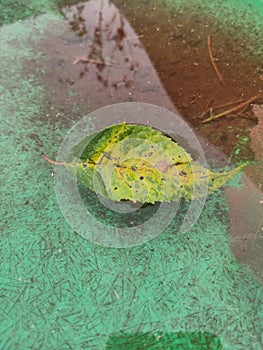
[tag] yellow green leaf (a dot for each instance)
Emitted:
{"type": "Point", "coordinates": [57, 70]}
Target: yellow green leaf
{"type": "Point", "coordinates": [141, 164]}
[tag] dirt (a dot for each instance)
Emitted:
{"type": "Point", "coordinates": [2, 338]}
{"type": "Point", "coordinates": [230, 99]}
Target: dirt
{"type": "Point", "coordinates": [177, 44]}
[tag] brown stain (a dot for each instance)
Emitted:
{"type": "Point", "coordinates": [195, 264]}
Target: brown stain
{"type": "Point", "coordinates": [163, 166]}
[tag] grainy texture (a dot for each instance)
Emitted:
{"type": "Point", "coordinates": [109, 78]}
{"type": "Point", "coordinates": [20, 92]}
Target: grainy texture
{"type": "Point", "coordinates": [58, 291]}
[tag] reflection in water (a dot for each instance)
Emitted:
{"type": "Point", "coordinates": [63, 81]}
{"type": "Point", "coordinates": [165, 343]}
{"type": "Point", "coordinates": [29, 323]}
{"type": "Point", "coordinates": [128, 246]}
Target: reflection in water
{"type": "Point", "coordinates": [108, 42]}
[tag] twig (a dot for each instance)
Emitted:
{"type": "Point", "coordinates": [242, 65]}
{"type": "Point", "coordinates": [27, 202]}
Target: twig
{"type": "Point", "coordinates": [233, 109]}
{"type": "Point", "coordinates": [243, 115]}
{"type": "Point", "coordinates": [210, 109]}
{"type": "Point", "coordinates": [206, 106]}
{"type": "Point", "coordinates": [222, 105]}
{"type": "Point", "coordinates": [244, 104]}
{"type": "Point", "coordinates": [92, 60]}
{"type": "Point", "coordinates": [213, 60]}
{"type": "Point", "coordinates": [134, 37]}
{"type": "Point", "coordinates": [206, 109]}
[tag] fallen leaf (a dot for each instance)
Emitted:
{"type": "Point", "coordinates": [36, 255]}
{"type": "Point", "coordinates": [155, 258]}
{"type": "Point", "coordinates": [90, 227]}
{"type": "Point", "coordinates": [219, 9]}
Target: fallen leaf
{"type": "Point", "coordinates": [139, 163]}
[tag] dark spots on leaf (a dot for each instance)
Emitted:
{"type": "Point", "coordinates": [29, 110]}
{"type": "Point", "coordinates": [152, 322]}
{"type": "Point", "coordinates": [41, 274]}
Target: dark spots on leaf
{"type": "Point", "coordinates": [212, 179]}
{"type": "Point", "coordinates": [115, 136]}
{"type": "Point", "coordinates": [182, 173]}
{"type": "Point", "coordinates": [115, 188]}
{"type": "Point", "coordinates": [130, 186]}
{"type": "Point", "coordinates": [141, 178]}
{"type": "Point", "coordinates": [133, 168]}
{"type": "Point", "coordinates": [150, 154]}
{"type": "Point", "coordinates": [84, 165]}
{"type": "Point", "coordinates": [163, 179]}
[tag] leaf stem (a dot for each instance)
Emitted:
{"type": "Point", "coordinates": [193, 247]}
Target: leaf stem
{"type": "Point", "coordinates": [50, 160]}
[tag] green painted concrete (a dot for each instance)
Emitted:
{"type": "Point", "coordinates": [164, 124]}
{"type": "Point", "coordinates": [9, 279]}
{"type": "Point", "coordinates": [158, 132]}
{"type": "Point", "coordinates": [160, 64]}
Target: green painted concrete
{"type": "Point", "coordinates": [59, 291]}
{"type": "Point", "coordinates": [12, 11]}
{"type": "Point", "coordinates": [168, 341]}
{"type": "Point", "coordinates": [241, 18]}
{"type": "Point", "coordinates": [15, 10]}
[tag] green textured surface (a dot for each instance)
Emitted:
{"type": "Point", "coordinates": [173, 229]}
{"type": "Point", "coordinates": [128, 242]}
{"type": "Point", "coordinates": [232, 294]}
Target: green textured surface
{"type": "Point", "coordinates": [241, 18]}
{"type": "Point", "coordinates": [12, 11]}
{"type": "Point", "coordinates": [15, 10]}
{"type": "Point", "coordinates": [159, 340]}
{"type": "Point", "coordinates": [58, 291]}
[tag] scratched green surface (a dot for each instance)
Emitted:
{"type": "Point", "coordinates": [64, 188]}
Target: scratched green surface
{"type": "Point", "coordinates": [241, 18]}
{"type": "Point", "coordinates": [57, 290]}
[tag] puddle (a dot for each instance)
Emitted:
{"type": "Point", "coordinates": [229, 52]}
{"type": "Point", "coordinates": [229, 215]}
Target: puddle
{"type": "Point", "coordinates": [110, 64]}
{"type": "Point", "coordinates": [178, 49]}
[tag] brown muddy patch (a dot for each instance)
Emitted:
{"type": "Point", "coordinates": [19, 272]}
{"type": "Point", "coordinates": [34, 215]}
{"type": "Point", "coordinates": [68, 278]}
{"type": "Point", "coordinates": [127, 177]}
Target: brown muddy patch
{"type": "Point", "coordinates": [99, 59]}
{"type": "Point", "coordinates": [176, 42]}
